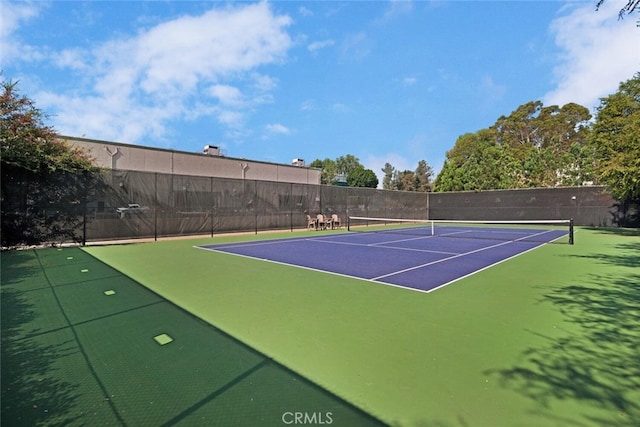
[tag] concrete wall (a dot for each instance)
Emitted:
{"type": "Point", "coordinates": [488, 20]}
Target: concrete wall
{"type": "Point", "coordinates": [117, 156]}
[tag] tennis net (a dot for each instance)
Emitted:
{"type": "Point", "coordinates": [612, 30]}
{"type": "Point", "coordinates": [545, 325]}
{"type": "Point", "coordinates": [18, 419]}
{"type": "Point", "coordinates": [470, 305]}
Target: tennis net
{"type": "Point", "coordinates": [544, 231]}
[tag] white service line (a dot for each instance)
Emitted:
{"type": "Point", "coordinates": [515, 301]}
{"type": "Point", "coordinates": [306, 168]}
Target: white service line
{"type": "Point", "coordinates": [488, 266]}
{"type": "Point", "coordinates": [455, 256]}
{"type": "Point", "coordinates": [382, 245]}
{"type": "Point", "coordinates": [376, 279]}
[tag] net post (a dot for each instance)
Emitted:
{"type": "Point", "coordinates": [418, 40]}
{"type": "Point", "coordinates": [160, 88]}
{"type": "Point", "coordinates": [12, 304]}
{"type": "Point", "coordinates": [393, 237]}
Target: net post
{"type": "Point", "coordinates": [571, 231]}
{"type": "Point", "coordinates": [348, 222]}
{"type": "Point", "coordinates": [433, 228]}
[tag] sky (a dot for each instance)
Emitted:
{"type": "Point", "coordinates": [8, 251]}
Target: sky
{"type": "Point", "coordinates": [386, 81]}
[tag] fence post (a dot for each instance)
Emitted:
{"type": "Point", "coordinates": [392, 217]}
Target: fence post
{"type": "Point", "coordinates": [84, 222]}
{"type": "Point", "coordinates": [155, 207]}
{"type": "Point", "coordinates": [211, 207]}
{"type": "Point", "coordinates": [255, 203]}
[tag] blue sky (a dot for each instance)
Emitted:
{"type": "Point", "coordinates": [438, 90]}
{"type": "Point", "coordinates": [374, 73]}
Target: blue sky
{"type": "Point", "coordinates": [386, 81]}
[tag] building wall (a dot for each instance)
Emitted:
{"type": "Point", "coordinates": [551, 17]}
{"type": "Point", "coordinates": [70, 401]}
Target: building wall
{"type": "Point", "coordinates": [118, 156]}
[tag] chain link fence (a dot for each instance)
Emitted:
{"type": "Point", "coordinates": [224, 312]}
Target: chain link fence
{"type": "Point", "coordinates": [587, 205]}
{"type": "Point", "coordinates": [143, 205]}
{"type": "Point", "coordinates": [133, 205]}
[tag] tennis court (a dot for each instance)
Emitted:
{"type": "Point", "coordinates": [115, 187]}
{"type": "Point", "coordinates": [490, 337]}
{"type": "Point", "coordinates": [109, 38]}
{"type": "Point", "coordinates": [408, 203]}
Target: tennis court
{"type": "Point", "coordinates": [407, 254]}
{"type": "Point", "coordinates": [165, 333]}
{"type": "Point", "coordinates": [82, 344]}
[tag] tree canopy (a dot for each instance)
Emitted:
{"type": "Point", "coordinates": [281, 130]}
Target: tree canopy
{"type": "Point", "coordinates": [44, 180]}
{"type": "Point", "coordinates": [389, 172]}
{"type": "Point", "coordinates": [329, 170]}
{"type": "Point", "coordinates": [534, 146]}
{"type": "Point", "coordinates": [538, 146]}
{"type": "Point", "coordinates": [347, 170]}
{"type": "Point", "coordinates": [419, 179]}
{"type": "Point", "coordinates": [361, 177]}
{"type": "Point", "coordinates": [616, 140]}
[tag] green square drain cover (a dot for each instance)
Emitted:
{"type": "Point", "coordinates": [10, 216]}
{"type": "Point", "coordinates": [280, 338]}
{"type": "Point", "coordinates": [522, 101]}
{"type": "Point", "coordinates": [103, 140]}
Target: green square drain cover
{"type": "Point", "coordinates": [163, 339]}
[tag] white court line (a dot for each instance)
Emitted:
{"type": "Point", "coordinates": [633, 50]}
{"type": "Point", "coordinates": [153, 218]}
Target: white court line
{"type": "Point", "coordinates": [380, 245]}
{"type": "Point", "coordinates": [489, 266]}
{"type": "Point", "coordinates": [306, 268]}
{"type": "Point", "coordinates": [402, 240]}
{"type": "Point", "coordinates": [375, 280]}
{"type": "Point", "coordinates": [325, 239]}
{"type": "Point", "coordinates": [455, 256]}
{"type": "Point", "coordinates": [455, 233]}
{"type": "Point", "coordinates": [249, 244]}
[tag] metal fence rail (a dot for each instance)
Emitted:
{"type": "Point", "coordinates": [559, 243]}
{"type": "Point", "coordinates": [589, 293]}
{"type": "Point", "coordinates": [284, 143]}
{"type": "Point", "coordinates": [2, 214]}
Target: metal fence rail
{"type": "Point", "coordinates": [132, 204]}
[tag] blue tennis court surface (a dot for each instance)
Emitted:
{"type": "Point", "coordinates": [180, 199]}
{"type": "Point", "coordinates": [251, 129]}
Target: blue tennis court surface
{"type": "Point", "coordinates": [413, 261]}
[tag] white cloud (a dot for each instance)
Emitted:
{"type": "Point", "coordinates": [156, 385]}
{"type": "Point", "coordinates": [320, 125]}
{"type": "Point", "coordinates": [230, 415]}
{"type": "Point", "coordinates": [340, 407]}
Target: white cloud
{"type": "Point", "coordinates": [307, 105]}
{"type": "Point", "coordinates": [228, 95]}
{"type": "Point", "coordinates": [339, 107]}
{"type": "Point", "coordinates": [356, 46]}
{"type": "Point", "coordinates": [177, 54]}
{"type": "Point", "coordinates": [73, 59]}
{"type": "Point", "coordinates": [305, 11]}
{"type": "Point", "coordinates": [316, 46]}
{"type": "Point", "coordinates": [13, 15]}
{"type": "Point", "coordinates": [232, 119]}
{"type": "Point", "coordinates": [110, 116]}
{"type": "Point", "coordinates": [490, 90]}
{"type": "Point", "coordinates": [598, 52]}
{"type": "Point", "coordinates": [180, 69]}
{"type": "Point", "coordinates": [397, 8]}
{"type": "Point", "coordinates": [264, 83]}
{"type": "Point", "coordinates": [277, 128]}
{"type": "Point", "coordinates": [410, 81]}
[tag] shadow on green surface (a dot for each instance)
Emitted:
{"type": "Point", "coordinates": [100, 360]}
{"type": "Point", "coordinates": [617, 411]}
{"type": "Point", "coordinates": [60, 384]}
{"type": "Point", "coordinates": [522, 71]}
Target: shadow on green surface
{"type": "Point", "coordinates": [72, 356]}
{"type": "Point", "coordinates": [618, 231]}
{"type": "Point", "coordinates": [628, 255]}
{"type": "Point", "coordinates": [596, 362]}
{"type": "Point", "coordinates": [29, 390]}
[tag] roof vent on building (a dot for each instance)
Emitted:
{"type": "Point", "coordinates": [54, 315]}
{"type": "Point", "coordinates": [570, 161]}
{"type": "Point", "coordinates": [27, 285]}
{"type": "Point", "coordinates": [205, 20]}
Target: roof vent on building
{"type": "Point", "coordinates": [298, 162]}
{"type": "Point", "coordinates": [211, 150]}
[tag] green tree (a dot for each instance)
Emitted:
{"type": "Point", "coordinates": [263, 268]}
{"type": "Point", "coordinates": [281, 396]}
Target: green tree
{"type": "Point", "coordinates": [616, 140]}
{"type": "Point", "coordinates": [361, 177]}
{"type": "Point", "coordinates": [329, 170]}
{"type": "Point", "coordinates": [339, 168]}
{"type": "Point", "coordinates": [405, 180]}
{"type": "Point", "coordinates": [540, 140]}
{"type": "Point", "coordinates": [346, 164]}
{"type": "Point", "coordinates": [563, 155]}
{"type": "Point", "coordinates": [535, 146]}
{"type": "Point", "coordinates": [477, 162]}
{"type": "Point", "coordinates": [408, 180]}
{"type": "Point", "coordinates": [389, 172]}
{"type": "Point", "coordinates": [519, 130]}
{"type": "Point", "coordinates": [422, 176]}
{"type": "Point", "coordinates": [580, 165]}
{"type": "Point", "coordinates": [448, 178]}
{"type": "Point", "coordinates": [538, 168]}
{"type": "Point", "coordinates": [45, 182]}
